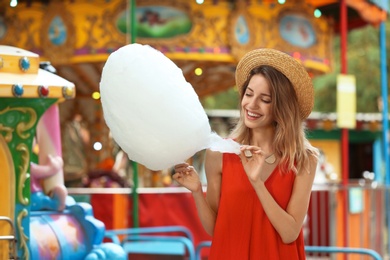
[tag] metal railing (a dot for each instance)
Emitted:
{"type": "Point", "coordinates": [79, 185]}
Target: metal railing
{"type": "Point", "coordinates": [352, 216]}
{"type": "Point", "coordinates": [10, 238]}
{"type": "Point", "coordinates": [308, 249]}
{"type": "Point", "coordinates": [344, 250]}
{"type": "Point", "coordinates": [162, 240]}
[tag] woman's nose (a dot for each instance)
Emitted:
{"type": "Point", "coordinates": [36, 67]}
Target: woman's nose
{"type": "Point", "coordinates": [253, 103]}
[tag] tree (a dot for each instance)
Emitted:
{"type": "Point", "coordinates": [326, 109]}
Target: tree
{"type": "Point", "coordinates": [223, 100]}
{"type": "Point", "coordinates": [363, 57]}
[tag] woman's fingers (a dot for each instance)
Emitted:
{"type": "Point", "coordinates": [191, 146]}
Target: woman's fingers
{"type": "Point", "coordinates": [245, 156]}
{"type": "Point", "coordinates": [188, 180]}
{"type": "Point", "coordinates": [181, 165]}
{"type": "Point", "coordinates": [249, 147]}
{"type": "Point", "coordinates": [254, 149]}
{"type": "Point", "coordinates": [248, 151]}
{"type": "Point", "coordinates": [182, 169]}
{"type": "Point", "coordinates": [176, 176]}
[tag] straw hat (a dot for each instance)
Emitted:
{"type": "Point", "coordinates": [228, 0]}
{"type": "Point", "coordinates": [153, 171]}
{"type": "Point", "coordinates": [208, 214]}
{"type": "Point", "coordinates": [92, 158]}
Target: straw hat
{"type": "Point", "coordinates": [287, 65]}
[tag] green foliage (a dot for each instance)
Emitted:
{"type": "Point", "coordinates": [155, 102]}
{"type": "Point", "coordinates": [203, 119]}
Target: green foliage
{"type": "Point", "coordinates": [363, 59]}
{"type": "Point", "coordinates": [325, 93]}
{"type": "Point", "coordinates": [223, 100]}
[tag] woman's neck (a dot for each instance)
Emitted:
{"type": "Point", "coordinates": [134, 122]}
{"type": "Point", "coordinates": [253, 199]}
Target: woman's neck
{"type": "Point", "coordinates": [263, 138]}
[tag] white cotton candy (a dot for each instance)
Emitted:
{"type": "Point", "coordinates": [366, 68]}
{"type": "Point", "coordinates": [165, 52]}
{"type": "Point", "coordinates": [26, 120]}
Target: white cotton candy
{"type": "Point", "coordinates": [153, 113]}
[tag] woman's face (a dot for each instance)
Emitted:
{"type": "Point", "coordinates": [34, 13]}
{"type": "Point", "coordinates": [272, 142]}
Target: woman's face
{"type": "Point", "coordinates": [257, 103]}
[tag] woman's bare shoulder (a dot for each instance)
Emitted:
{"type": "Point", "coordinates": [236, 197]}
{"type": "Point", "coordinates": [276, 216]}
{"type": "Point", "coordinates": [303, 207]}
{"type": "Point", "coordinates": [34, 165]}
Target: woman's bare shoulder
{"type": "Point", "coordinates": [313, 160]}
{"type": "Point", "coordinates": [213, 162]}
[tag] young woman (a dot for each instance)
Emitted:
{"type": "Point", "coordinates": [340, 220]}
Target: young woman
{"type": "Point", "coordinates": [256, 201]}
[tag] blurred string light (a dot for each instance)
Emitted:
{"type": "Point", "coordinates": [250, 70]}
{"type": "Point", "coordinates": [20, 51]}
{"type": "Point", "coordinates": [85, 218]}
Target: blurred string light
{"type": "Point", "coordinates": [317, 13]}
{"type": "Point", "coordinates": [198, 71]}
{"type": "Point", "coordinates": [97, 146]}
{"type": "Point", "coordinates": [95, 95]}
{"type": "Point", "coordinates": [199, 2]}
{"type": "Point", "coordinates": [281, 1]}
{"type": "Point", "coordinates": [13, 3]}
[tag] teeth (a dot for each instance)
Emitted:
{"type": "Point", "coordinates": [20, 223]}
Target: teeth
{"type": "Point", "coordinates": [253, 114]}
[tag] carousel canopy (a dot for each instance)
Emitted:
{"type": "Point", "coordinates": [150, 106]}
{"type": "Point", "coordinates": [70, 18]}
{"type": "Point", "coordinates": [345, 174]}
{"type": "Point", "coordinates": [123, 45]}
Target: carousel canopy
{"type": "Point", "coordinates": [203, 40]}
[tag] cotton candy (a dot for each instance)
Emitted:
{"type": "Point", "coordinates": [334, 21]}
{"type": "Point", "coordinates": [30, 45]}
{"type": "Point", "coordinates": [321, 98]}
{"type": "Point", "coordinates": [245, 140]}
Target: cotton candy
{"type": "Point", "coordinates": [153, 113]}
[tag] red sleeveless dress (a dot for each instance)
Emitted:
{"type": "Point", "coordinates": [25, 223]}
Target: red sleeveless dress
{"type": "Point", "coordinates": [243, 230]}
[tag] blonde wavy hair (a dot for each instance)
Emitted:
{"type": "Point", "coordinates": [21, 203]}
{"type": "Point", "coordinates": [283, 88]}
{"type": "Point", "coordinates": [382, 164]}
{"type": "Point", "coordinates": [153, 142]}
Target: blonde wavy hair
{"type": "Point", "coordinates": [290, 142]}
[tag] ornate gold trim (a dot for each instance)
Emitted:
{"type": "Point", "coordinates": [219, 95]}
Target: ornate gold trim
{"type": "Point", "coordinates": [21, 130]}
{"type": "Point", "coordinates": [8, 132]}
{"type": "Point", "coordinates": [108, 26]}
{"type": "Point", "coordinates": [241, 14]}
{"type": "Point", "coordinates": [22, 236]}
{"type": "Point", "coordinates": [61, 53]}
{"type": "Point", "coordinates": [23, 126]}
{"type": "Point", "coordinates": [23, 175]}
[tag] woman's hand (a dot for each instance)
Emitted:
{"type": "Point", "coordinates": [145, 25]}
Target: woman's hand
{"type": "Point", "coordinates": [187, 177]}
{"type": "Point", "coordinates": [253, 160]}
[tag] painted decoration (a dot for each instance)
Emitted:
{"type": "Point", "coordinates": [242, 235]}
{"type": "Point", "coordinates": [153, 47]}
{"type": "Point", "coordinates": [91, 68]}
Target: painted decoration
{"type": "Point", "coordinates": [241, 30]}
{"type": "Point", "coordinates": [158, 22]}
{"type": "Point", "coordinates": [57, 31]}
{"type": "Point", "coordinates": [297, 30]}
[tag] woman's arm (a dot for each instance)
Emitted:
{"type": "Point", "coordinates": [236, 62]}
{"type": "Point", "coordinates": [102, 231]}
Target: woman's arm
{"type": "Point", "coordinates": [207, 206]}
{"type": "Point", "coordinates": [288, 223]}
{"type": "Point", "coordinates": [213, 167]}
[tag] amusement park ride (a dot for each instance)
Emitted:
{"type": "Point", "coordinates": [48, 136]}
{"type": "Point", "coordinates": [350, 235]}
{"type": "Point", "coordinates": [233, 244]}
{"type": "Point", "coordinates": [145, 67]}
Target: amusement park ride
{"type": "Point", "coordinates": [38, 219]}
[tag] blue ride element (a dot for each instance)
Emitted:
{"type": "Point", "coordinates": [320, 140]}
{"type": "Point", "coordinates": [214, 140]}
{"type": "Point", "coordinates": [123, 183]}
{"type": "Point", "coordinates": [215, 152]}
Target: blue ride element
{"type": "Point", "coordinates": [108, 251]}
{"type": "Point", "coordinates": [155, 240]}
{"type": "Point", "coordinates": [199, 248]}
{"type": "Point", "coordinates": [346, 250]}
{"type": "Point", "coordinates": [70, 234]}
{"type": "Point", "coordinates": [311, 249]}
{"type": "Point", "coordinates": [41, 201]}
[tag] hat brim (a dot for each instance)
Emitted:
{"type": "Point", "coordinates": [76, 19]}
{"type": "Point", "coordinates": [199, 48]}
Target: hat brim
{"type": "Point", "coordinates": [287, 65]}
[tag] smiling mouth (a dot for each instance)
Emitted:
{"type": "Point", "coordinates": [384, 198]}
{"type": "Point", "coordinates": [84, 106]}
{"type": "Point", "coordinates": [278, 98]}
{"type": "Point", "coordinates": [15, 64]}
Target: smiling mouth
{"type": "Point", "coordinates": [251, 114]}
